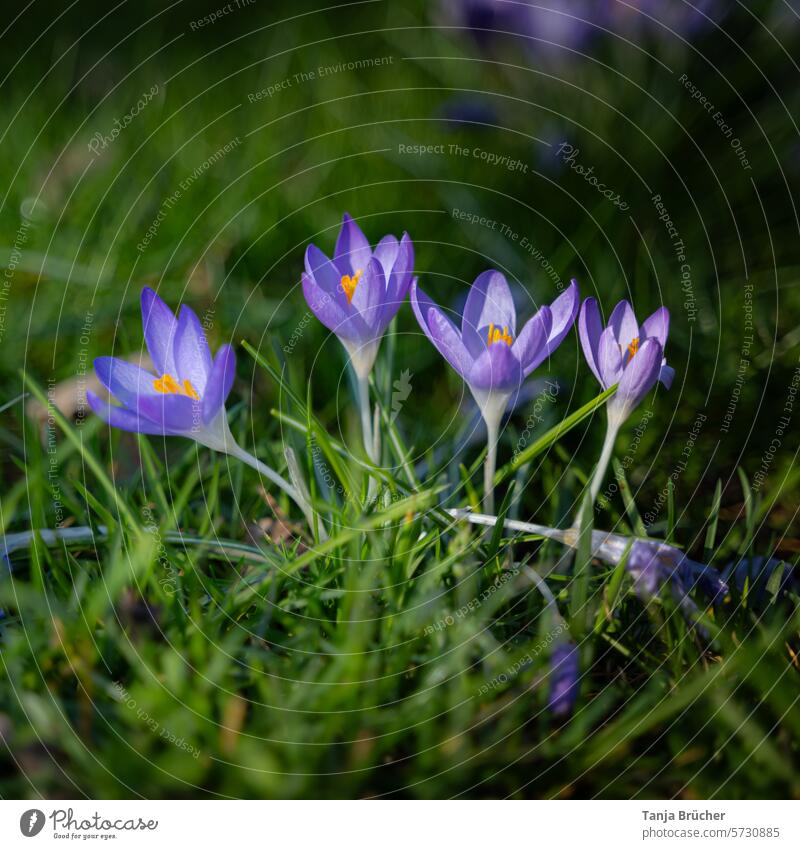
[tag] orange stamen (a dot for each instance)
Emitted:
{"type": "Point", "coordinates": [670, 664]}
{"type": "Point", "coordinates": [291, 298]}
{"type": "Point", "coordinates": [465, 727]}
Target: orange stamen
{"type": "Point", "coordinates": [633, 347]}
{"type": "Point", "coordinates": [349, 284]}
{"type": "Point", "coordinates": [190, 391]}
{"type": "Point", "coordinates": [167, 385]}
{"type": "Point", "coordinates": [496, 336]}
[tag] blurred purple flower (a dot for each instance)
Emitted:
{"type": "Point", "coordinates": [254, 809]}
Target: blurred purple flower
{"type": "Point", "coordinates": [564, 673]}
{"type": "Point", "coordinates": [557, 21]}
{"type": "Point", "coordinates": [574, 23]}
{"type": "Point", "coordinates": [633, 17]}
{"type": "Point", "coordinates": [467, 111]}
{"type": "Point", "coordinates": [654, 564]}
{"type": "Point", "coordinates": [759, 574]}
{"type": "Point", "coordinates": [651, 564]}
{"type": "Point", "coordinates": [186, 396]}
{"type": "Point", "coordinates": [625, 353]}
{"type": "Point", "coordinates": [359, 291]}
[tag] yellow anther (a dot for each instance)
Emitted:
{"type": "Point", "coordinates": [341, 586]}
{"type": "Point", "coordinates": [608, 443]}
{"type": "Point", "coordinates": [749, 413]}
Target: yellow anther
{"type": "Point", "coordinates": [167, 385]}
{"type": "Point", "coordinates": [189, 390]}
{"type": "Point", "coordinates": [496, 336]}
{"type": "Point", "coordinates": [349, 284]}
{"type": "Point", "coordinates": [633, 347]}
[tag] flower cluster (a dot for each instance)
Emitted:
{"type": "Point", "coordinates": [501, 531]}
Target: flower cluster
{"type": "Point", "coordinates": [356, 294]}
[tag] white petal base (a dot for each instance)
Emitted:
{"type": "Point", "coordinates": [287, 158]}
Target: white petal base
{"type": "Point", "coordinates": [492, 406]}
{"type": "Point", "coordinates": [362, 355]}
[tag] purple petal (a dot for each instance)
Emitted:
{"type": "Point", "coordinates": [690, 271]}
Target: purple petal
{"type": "Point", "coordinates": [440, 330]}
{"type": "Point", "coordinates": [122, 417]}
{"type": "Point", "coordinates": [159, 324]}
{"type": "Point", "coordinates": [666, 374]}
{"type": "Point", "coordinates": [489, 302]}
{"type": "Point", "coordinates": [333, 310]}
{"type": "Point", "coordinates": [656, 326]}
{"type": "Point", "coordinates": [640, 374]}
{"type": "Point", "coordinates": [192, 356]}
{"type": "Point", "coordinates": [590, 326]}
{"type": "Point", "coordinates": [220, 381]}
{"type": "Point", "coordinates": [645, 567]}
{"type": "Point", "coordinates": [564, 675]}
{"type": "Point", "coordinates": [399, 279]}
{"type": "Point", "coordinates": [127, 382]}
{"type": "Point", "coordinates": [386, 253]}
{"type": "Point", "coordinates": [369, 296]}
{"type": "Point", "coordinates": [176, 413]}
{"type": "Point", "coordinates": [530, 347]}
{"type": "Point", "coordinates": [496, 369]}
{"type": "Point", "coordinates": [352, 251]}
{"type": "Point", "coordinates": [609, 358]}
{"type": "Point", "coordinates": [325, 272]}
{"type": "Point", "coordinates": [623, 321]}
{"type": "Point", "coordinates": [564, 309]}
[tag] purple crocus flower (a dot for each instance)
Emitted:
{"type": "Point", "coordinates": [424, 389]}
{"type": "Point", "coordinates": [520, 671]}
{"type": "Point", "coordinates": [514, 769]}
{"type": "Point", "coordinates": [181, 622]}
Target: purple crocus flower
{"type": "Point", "coordinates": [625, 353]}
{"type": "Point", "coordinates": [564, 674]}
{"type": "Point", "coordinates": [487, 352]}
{"type": "Point", "coordinates": [186, 396]}
{"type": "Point", "coordinates": [358, 292]}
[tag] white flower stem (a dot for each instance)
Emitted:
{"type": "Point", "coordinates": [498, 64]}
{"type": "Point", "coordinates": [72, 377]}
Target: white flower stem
{"type": "Point", "coordinates": [605, 457]}
{"type": "Point", "coordinates": [366, 416]}
{"type": "Point", "coordinates": [556, 534]}
{"type": "Point", "coordinates": [370, 442]}
{"type": "Point", "coordinates": [492, 406]}
{"type": "Point", "coordinates": [490, 466]}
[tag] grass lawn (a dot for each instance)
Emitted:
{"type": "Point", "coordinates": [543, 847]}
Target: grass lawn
{"type": "Point", "coordinates": [172, 627]}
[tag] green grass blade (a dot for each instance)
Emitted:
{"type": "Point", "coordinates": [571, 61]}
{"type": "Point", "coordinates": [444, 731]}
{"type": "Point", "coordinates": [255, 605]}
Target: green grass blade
{"type": "Point", "coordinates": [553, 435]}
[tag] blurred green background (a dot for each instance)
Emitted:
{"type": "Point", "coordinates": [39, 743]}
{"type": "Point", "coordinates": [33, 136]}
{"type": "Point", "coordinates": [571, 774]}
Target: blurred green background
{"type": "Point", "coordinates": [258, 124]}
{"type": "Point", "coordinates": [234, 238]}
